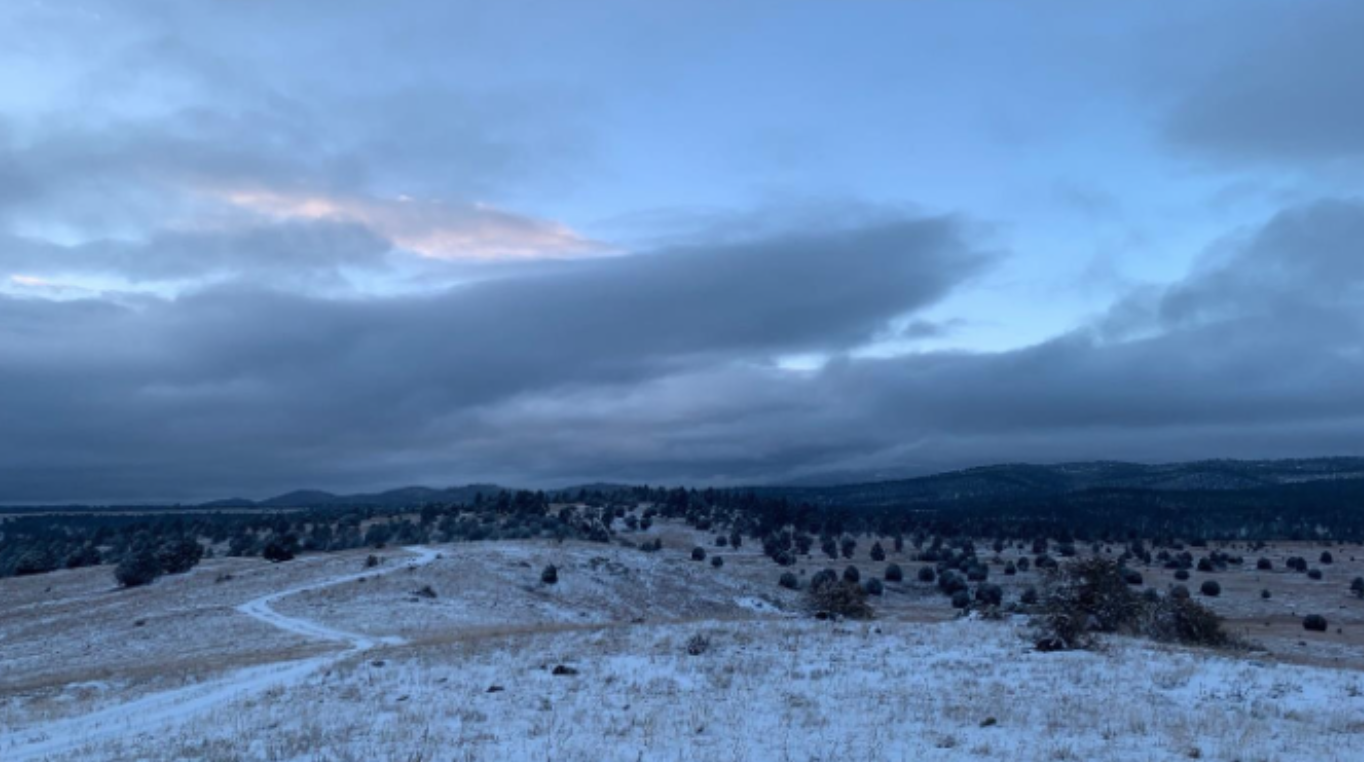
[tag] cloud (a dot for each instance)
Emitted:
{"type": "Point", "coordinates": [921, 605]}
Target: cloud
{"type": "Point", "coordinates": [259, 378]}
{"type": "Point", "coordinates": [435, 229]}
{"type": "Point", "coordinates": [1284, 93]}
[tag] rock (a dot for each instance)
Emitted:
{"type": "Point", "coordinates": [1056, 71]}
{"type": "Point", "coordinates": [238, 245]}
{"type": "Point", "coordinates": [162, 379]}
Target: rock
{"type": "Point", "coordinates": [562, 669]}
{"type": "Point", "coordinates": [495, 689]}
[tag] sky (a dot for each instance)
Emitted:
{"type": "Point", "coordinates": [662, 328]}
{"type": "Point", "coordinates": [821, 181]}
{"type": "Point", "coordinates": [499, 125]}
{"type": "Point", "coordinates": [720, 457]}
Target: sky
{"type": "Point", "coordinates": [248, 247]}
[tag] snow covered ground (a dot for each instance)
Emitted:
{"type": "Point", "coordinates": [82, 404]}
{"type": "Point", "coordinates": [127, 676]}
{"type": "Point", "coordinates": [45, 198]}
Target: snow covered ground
{"type": "Point", "coordinates": [660, 658]}
{"type": "Point", "coordinates": [779, 690]}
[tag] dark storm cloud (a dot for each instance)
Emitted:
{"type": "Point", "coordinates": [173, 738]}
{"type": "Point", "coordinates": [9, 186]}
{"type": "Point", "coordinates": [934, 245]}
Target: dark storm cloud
{"type": "Point", "coordinates": [1288, 92]}
{"type": "Point", "coordinates": [236, 379]}
{"type": "Point", "coordinates": [1258, 353]}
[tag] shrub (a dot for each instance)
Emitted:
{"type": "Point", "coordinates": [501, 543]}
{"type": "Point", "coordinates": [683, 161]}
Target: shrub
{"type": "Point", "coordinates": [1264, 564]}
{"type": "Point", "coordinates": [1326, 557]}
{"type": "Point", "coordinates": [276, 552]}
{"type": "Point", "coordinates": [1314, 573]}
{"type": "Point", "coordinates": [926, 574]}
{"type": "Point", "coordinates": [1179, 591]}
{"type": "Point", "coordinates": [1024, 564]}
{"type": "Point", "coordinates": [1181, 620]}
{"type": "Point", "coordinates": [1182, 575]}
{"type": "Point", "coordinates": [1029, 597]}
{"type": "Point", "coordinates": [1314, 623]}
{"type": "Point", "coordinates": [1205, 565]}
{"type": "Point", "coordinates": [1085, 597]}
{"type": "Point", "coordinates": [179, 556]}
{"type": "Point", "coordinates": [823, 578]}
{"type": "Point", "coordinates": [698, 644]}
{"type": "Point", "coordinates": [698, 553]}
{"type": "Point", "coordinates": [989, 594]}
{"type": "Point", "coordinates": [1132, 577]}
{"type": "Point", "coordinates": [894, 573]}
{"type": "Point", "coordinates": [851, 574]}
{"type": "Point", "coordinates": [789, 581]}
{"type": "Point", "coordinates": [874, 587]}
{"type": "Point", "coordinates": [1010, 569]}
{"type": "Point", "coordinates": [717, 561]}
{"type": "Point", "coordinates": [550, 575]}
{"type": "Point", "coordinates": [1210, 588]}
{"type": "Point", "coordinates": [950, 583]}
{"type": "Point", "coordinates": [1357, 587]}
{"type": "Point", "coordinates": [978, 573]}
{"type": "Point", "coordinates": [137, 569]}
{"type": "Point", "coordinates": [721, 541]}
{"type": "Point", "coordinates": [961, 599]}
{"type": "Point", "coordinates": [878, 553]}
{"type": "Point", "coordinates": [371, 561]}
{"type": "Point", "coordinates": [843, 599]}
{"type": "Point", "coordinates": [1265, 594]}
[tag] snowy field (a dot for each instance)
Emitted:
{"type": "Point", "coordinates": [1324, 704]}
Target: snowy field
{"type": "Point", "coordinates": [658, 657]}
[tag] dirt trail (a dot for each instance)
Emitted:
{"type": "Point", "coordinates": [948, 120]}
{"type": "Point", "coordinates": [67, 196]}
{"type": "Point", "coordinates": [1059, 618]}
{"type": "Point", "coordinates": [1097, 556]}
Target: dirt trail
{"type": "Point", "coordinates": [155, 712]}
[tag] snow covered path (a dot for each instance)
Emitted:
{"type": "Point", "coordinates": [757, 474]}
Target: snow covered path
{"type": "Point", "coordinates": [156, 712]}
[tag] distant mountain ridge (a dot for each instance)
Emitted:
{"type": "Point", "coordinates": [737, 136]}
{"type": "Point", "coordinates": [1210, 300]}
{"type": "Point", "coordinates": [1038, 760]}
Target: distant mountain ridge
{"type": "Point", "coordinates": [983, 482]}
{"type": "Point", "coordinates": [312, 498]}
{"type": "Point", "coordinates": [1019, 480]}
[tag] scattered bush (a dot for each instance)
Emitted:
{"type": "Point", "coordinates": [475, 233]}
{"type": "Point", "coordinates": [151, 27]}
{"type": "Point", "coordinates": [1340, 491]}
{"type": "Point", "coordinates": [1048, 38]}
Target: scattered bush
{"type": "Point", "coordinates": [550, 575]}
{"type": "Point", "coordinates": [1326, 558]}
{"type": "Point", "coordinates": [874, 587]}
{"type": "Point", "coordinates": [926, 574]}
{"type": "Point", "coordinates": [1092, 596]}
{"type": "Point", "coordinates": [1181, 620]}
{"type": "Point", "coordinates": [1357, 587]}
{"type": "Point", "coordinates": [1314, 574]}
{"type": "Point", "coordinates": [698, 553]}
{"type": "Point", "coordinates": [878, 553]}
{"type": "Point", "coordinates": [698, 644]}
{"type": "Point", "coordinates": [894, 573]}
{"type": "Point", "coordinates": [961, 599]}
{"type": "Point", "coordinates": [1210, 588]}
{"type": "Point", "coordinates": [1265, 594]}
{"type": "Point", "coordinates": [789, 581]}
{"type": "Point", "coordinates": [277, 552]}
{"type": "Point", "coordinates": [1264, 564]}
{"type": "Point", "coordinates": [1132, 577]}
{"type": "Point", "coordinates": [1314, 623]}
{"type": "Point", "coordinates": [1010, 569]}
{"type": "Point", "coordinates": [1182, 575]}
{"type": "Point", "coordinates": [179, 556]}
{"type": "Point", "coordinates": [841, 599]}
{"type": "Point", "coordinates": [717, 561]}
{"type": "Point", "coordinates": [1029, 597]}
{"type": "Point", "coordinates": [989, 594]}
{"type": "Point", "coordinates": [823, 578]}
{"type": "Point", "coordinates": [851, 574]}
{"type": "Point", "coordinates": [137, 569]}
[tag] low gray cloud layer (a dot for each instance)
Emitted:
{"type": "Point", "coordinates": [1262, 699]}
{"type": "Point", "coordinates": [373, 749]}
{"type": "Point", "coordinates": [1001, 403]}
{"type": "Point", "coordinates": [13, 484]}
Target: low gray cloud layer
{"type": "Point", "coordinates": [656, 366]}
